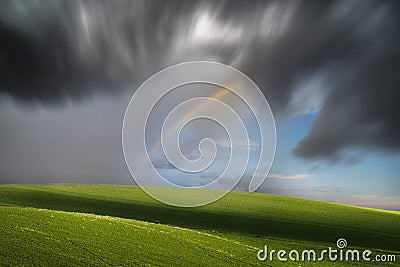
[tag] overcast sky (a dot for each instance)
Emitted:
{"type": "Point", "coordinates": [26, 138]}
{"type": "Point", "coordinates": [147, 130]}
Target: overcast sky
{"type": "Point", "coordinates": [329, 70]}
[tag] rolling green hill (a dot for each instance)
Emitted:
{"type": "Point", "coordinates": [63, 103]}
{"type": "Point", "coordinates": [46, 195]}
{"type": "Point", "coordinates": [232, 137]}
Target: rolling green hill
{"type": "Point", "coordinates": [101, 225]}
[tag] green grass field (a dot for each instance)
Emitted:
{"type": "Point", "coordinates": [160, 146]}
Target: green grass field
{"type": "Point", "coordinates": [109, 225]}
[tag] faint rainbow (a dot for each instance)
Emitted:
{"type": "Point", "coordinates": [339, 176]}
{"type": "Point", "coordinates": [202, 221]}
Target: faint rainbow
{"type": "Point", "coordinates": [216, 95]}
{"type": "Point", "coordinates": [221, 92]}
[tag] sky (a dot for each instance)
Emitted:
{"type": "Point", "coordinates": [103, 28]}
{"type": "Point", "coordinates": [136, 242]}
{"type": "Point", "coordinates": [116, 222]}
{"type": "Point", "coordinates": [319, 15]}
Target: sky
{"type": "Point", "coordinates": [329, 71]}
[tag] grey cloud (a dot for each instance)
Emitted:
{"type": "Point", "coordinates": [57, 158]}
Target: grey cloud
{"type": "Point", "coordinates": [362, 110]}
{"type": "Point", "coordinates": [54, 50]}
{"type": "Point", "coordinates": [346, 50]}
{"type": "Point", "coordinates": [77, 143]}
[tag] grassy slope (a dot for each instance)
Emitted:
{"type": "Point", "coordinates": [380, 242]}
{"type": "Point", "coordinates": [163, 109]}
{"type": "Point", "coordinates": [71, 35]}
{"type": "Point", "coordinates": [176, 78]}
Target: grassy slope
{"type": "Point", "coordinates": [136, 229]}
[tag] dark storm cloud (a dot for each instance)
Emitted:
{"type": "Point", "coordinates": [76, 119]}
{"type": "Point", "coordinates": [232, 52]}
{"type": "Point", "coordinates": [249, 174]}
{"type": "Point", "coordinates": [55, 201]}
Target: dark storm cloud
{"type": "Point", "coordinates": [361, 110]}
{"type": "Point", "coordinates": [337, 58]}
{"type": "Point", "coordinates": [53, 50]}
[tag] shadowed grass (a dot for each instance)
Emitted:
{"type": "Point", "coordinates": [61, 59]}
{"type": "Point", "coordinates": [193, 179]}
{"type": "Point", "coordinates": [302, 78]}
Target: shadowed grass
{"type": "Point", "coordinates": [257, 215]}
